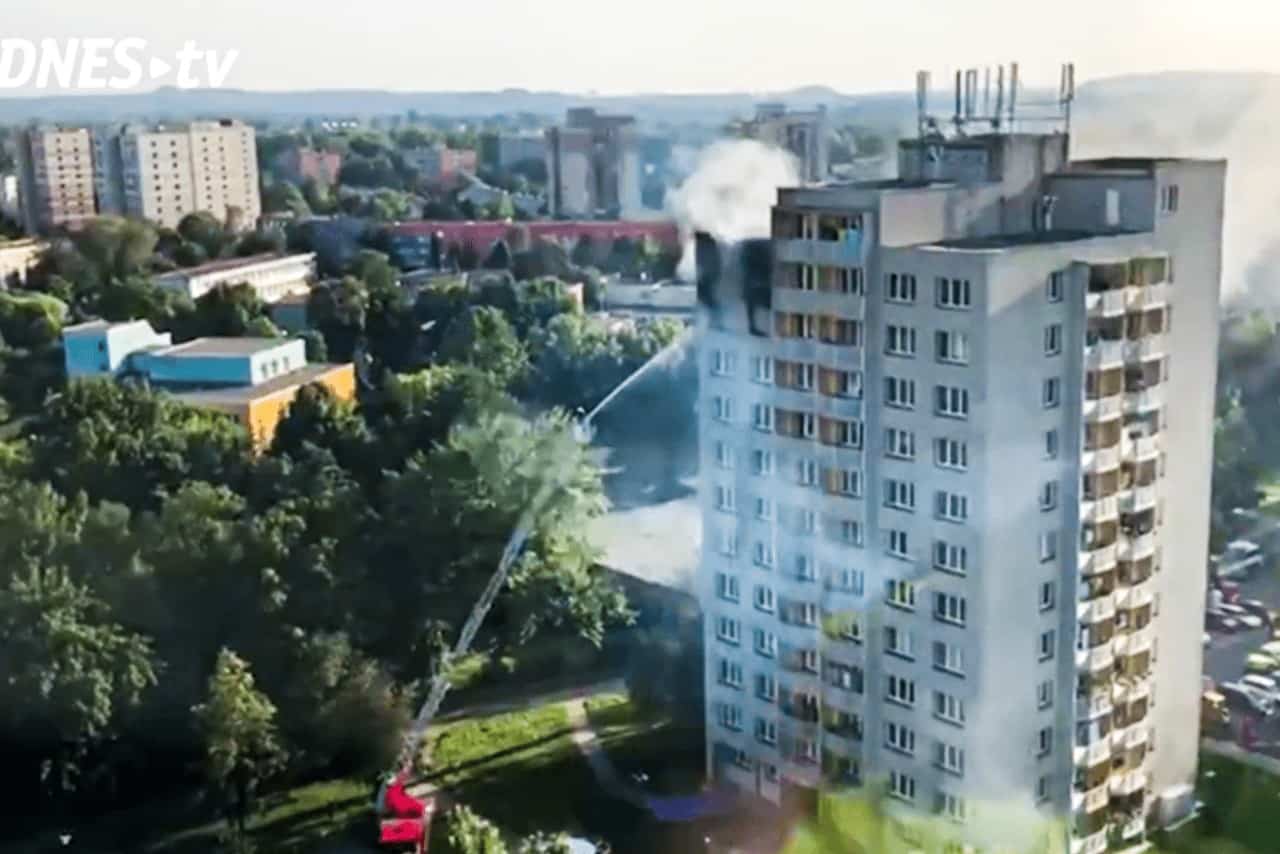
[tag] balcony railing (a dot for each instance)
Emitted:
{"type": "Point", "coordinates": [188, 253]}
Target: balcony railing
{"type": "Point", "coordinates": [1143, 401]}
{"type": "Point", "coordinates": [1092, 705]}
{"type": "Point", "coordinates": [1136, 595]}
{"type": "Point", "coordinates": [1134, 642]}
{"type": "Point", "coordinates": [1103, 408]}
{"type": "Point", "coordinates": [1095, 659]}
{"type": "Point", "coordinates": [1095, 610]}
{"type": "Point", "coordinates": [1094, 754]}
{"type": "Point", "coordinates": [1093, 844]}
{"type": "Point", "coordinates": [1137, 499]}
{"type": "Point", "coordinates": [1100, 559]}
{"type": "Point", "coordinates": [1104, 354]}
{"type": "Point", "coordinates": [1106, 304]}
{"type": "Point", "coordinates": [1140, 448]}
{"type": "Point", "coordinates": [1136, 546]}
{"type": "Point", "coordinates": [1145, 348]}
{"type": "Point", "coordinates": [1099, 509]}
{"type": "Point", "coordinates": [1139, 298]}
{"type": "Point", "coordinates": [1103, 459]}
{"type": "Point", "coordinates": [1127, 784]}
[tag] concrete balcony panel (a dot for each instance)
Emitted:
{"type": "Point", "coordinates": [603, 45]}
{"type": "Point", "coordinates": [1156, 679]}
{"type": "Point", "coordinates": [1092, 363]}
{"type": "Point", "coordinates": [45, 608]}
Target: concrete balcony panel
{"type": "Point", "coordinates": [800, 637]}
{"type": "Point", "coordinates": [837, 407]}
{"type": "Point", "coordinates": [1103, 408]}
{"type": "Point", "coordinates": [1137, 595]}
{"type": "Point", "coordinates": [795, 349]}
{"type": "Point", "coordinates": [851, 306]}
{"type": "Point", "coordinates": [1126, 784]}
{"type": "Point", "coordinates": [840, 356]}
{"type": "Point", "coordinates": [1096, 610]}
{"type": "Point", "coordinates": [1104, 354]}
{"type": "Point", "coordinates": [1103, 459]}
{"type": "Point", "coordinates": [1141, 298]}
{"type": "Point", "coordinates": [842, 743]}
{"type": "Point", "coordinates": [1141, 448]}
{"type": "Point", "coordinates": [1099, 509]}
{"type": "Point", "coordinates": [1134, 642]}
{"type": "Point", "coordinates": [826, 253]}
{"type": "Point", "coordinates": [1093, 706]}
{"type": "Point", "coordinates": [1092, 755]}
{"type": "Point", "coordinates": [842, 700]}
{"type": "Point", "coordinates": [1146, 348]}
{"type": "Point", "coordinates": [1095, 844]}
{"type": "Point", "coordinates": [1094, 561]}
{"type": "Point", "coordinates": [1096, 659]}
{"type": "Point", "coordinates": [1106, 304]}
{"type": "Point", "coordinates": [1138, 498]}
{"type": "Point", "coordinates": [1136, 547]}
{"type": "Point", "coordinates": [1147, 400]}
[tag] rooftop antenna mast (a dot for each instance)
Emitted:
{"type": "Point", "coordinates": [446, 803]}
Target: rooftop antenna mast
{"type": "Point", "coordinates": [986, 91]}
{"type": "Point", "coordinates": [1067, 92]}
{"type": "Point", "coordinates": [922, 102]}
{"type": "Point", "coordinates": [995, 116]}
{"type": "Point", "coordinates": [1013, 95]}
{"type": "Point", "coordinates": [959, 117]}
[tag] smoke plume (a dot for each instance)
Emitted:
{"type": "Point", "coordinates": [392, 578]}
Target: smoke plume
{"type": "Point", "coordinates": [730, 194]}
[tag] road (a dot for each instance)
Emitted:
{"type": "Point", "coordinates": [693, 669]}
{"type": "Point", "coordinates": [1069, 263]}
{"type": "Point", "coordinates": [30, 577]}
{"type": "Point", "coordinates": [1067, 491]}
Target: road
{"type": "Point", "coordinates": [1224, 657]}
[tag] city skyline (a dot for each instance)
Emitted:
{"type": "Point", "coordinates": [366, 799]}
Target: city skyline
{"type": "Point", "coordinates": [710, 47]}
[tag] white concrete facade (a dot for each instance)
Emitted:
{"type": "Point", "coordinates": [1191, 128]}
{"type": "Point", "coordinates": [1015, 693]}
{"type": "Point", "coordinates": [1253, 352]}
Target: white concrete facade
{"type": "Point", "coordinates": [273, 278]}
{"type": "Point", "coordinates": [952, 538]}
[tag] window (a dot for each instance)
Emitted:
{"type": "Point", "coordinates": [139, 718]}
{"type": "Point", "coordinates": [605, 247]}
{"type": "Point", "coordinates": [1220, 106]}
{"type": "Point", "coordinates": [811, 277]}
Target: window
{"type": "Point", "coordinates": [900, 593]}
{"type": "Point", "coordinates": [952, 347]}
{"type": "Point", "coordinates": [950, 506]}
{"type": "Point", "coordinates": [900, 287]}
{"type": "Point", "coordinates": [730, 716]}
{"type": "Point", "coordinates": [845, 481]}
{"type": "Point", "coordinates": [766, 731]}
{"type": "Point", "coordinates": [851, 532]}
{"type": "Point", "coordinates": [766, 687]}
{"type": "Point", "coordinates": [902, 786]}
{"type": "Point", "coordinates": [896, 543]}
{"type": "Point", "coordinates": [949, 608]}
{"type": "Point", "coordinates": [901, 690]}
{"type": "Point", "coordinates": [1048, 595]}
{"type": "Point", "coordinates": [953, 293]}
{"type": "Point", "coordinates": [1044, 695]}
{"type": "Point", "coordinates": [1049, 495]}
{"type": "Point", "coordinates": [948, 657]}
{"type": "Point", "coordinates": [845, 677]}
{"type": "Point", "coordinates": [900, 341]}
{"type": "Point", "coordinates": [727, 629]}
{"type": "Point", "coordinates": [1042, 789]}
{"type": "Point", "coordinates": [1048, 644]}
{"type": "Point", "coordinates": [1169, 199]}
{"type": "Point", "coordinates": [1048, 545]}
{"type": "Point", "coordinates": [899, 642]}
{"type": "Point", "coordinates": [762, 369]}
{"type": "Point", "coordinates": [725, 499]}
{"type": "Point", "coordinates": [950, 557]}
{"type": "Point", "coordinates": [899, 443]}
{"type": "Point", "coordinates": [807, 472]}
{"type": "Point", "coordinates": [727, 586]}
{"type": "Point", "coordinates": [900, 494]}
{"type": "Point", "coordinates": [948, 757]}
{"type": "Point", "coordinates": [948, 707]}
{"type": "Point", "coordinates": [1053, 339]}
{"type": "Point", "coordinates": [951, 454]}
{"type": "Point", "coordinates": [766, 643]}
{"type": "Point", "coordinates": [809, 660]}
{"type": "Point", "coordinates": [730, 673]}
{"type": "Point", "coordinates": [770, 772]}
{"type": "Point", "coordinates": [723, 362]}
{"type": "Point", "coordinates": [848, 581]}
{"type": "Point", "coordinates": [952, 806]}
{"type": "Point", "coordinates": [1051, 444]}
{"type": "Point", "coordinates": [722, 408]}
{"type": "Point", "coordinates": [762, 462]}
{"type": "Point", "coordinates": [804, 568]}
{"type": "Point", "coordinates": [728, 543]}
{"type": "Point", "coordinates": [900, 738]}
{"type": "Point", "coordinates": [900, 393]}
{"type": "Point", "coordinates": [762, 417]}
{"type": "Point", "coordinates": [1044, 741]}
{"type": "Point", "coordinates": [763, 554]}
{"type": "Point", "coordinates": [849, 627]}
{"type": "Point", "coordinates": [764, 509]}
{"type": "Point", "coordinates": [951, 402]}
{"type": "Point", "coordinates": [1051, 393]}
{"type": "Point", "coordinates": [764, 599]}
{"type": "Point", "coordinates": [808, 522]}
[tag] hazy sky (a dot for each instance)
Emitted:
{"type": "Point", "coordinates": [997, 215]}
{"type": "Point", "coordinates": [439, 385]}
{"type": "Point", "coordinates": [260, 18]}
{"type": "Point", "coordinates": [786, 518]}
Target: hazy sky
{"type": "Point", "coordinates": [610, 46]}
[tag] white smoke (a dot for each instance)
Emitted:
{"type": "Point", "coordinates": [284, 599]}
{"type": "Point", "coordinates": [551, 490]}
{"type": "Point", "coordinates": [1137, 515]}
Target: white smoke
{"type": "Point", "coordinates": [730, 193]}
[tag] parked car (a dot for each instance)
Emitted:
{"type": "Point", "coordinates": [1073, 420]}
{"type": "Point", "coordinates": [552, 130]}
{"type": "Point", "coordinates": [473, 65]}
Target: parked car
{"type": "Point", "coordinates": [1240, 560]}
{"type": "Point", "coordinates": [1258, 608]}
{"type": "Point", "coordinates": [1247, 698]}
{"type": "Point", "coordinates": [1260, 663]}
{"type": "Point", "coordinates": [1219, 622]}
{"type": "Point", "coordinates": [1266, 684]}
{"type": "Point", "coordinates": [1241, 616]}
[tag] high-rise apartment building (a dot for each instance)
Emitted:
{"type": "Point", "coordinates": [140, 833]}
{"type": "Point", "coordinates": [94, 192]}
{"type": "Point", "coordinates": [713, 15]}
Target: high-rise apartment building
{"type": "Point", "coordinates": [593, 165]}
{"type": "Point", "coordinates": [803, 133]}
{"type": "Point", "coordinates": [55, 177]}
{"type": "Point", "coordinates": [164, 173]}
{"type": "Point", "coordinates": [956, 436]}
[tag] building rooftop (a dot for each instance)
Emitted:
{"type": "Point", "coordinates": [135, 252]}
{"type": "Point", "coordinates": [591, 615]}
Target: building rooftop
{"type": "Point", "coordinates": [248, 393]}
{"type": "Point", "coordinates": [223, 347]}
{"type": "Point", "coordinates": [90, 326]}
{"type": "Point", "coordinates": [223, 264]}
{"type": "Point", "coordinates": [1026, 238]}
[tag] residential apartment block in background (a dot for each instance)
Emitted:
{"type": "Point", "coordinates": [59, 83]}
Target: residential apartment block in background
{"type": "Point", "coordinates": [254, 380]}
{"type": "Point", "coordinates": [56, 185]}
{"type": "Point", "coordinates": [954, 538]}
{"type": "Point", "coordinates": [805, 134]}
{"type": "Point", "coordinates": [593, 165]}
{"type": "Point", "coordinates": [163, 173]}
{"type": "Point", "coordinates": [310, 164]}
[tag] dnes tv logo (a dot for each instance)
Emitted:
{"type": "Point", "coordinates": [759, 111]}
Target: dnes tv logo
{"type": "Point", "coordinates": [92, 64]}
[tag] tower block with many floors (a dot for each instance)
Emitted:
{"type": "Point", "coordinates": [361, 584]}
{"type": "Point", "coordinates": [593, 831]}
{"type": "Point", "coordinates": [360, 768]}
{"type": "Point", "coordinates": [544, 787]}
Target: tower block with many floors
{"type": "Point", "coordinates": [957, 435]}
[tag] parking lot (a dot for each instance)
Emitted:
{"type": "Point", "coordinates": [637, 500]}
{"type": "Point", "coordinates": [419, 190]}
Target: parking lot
{"type": "Point", "coordinates": [1224, 657]}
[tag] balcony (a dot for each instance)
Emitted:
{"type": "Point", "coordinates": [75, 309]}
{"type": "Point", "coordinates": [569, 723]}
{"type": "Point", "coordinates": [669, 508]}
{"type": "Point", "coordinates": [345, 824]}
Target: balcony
{"type": "Point", "coordinates": [1092, 706]}
{"type": "Point", "coordinates": [1134, 642]}
{"type": "Point", "coordinates": [1146, 400]}
{"type": "Point", "coordinates": [844, 740]}
{"type": "Point", "coordinates": [1123, 785]}
{"type": "Point", "coordinates": [795, 634]}
{"type": "Point", "coordinates": [1103, 408]}
{"type": "Point", "coordinates": [1101, 559]}
{"type": "Point", "coordinates": [826, 253]}
{"type": "Point", "coordinates": [1130, 690]}
{"type": "Point", "coordinates": [1103, 459]}
{"type": "Point", "coordinates": [1094, 844]}
{"type": "Point", "coordinates": [1136, 547]}
{"type": "Point", "coordinates": [799, 301]}
{"type": "Point", "coordinates": [1145, 348]}
{"type": "Point", "coordinates": [1140, 448]}
{"type": "Point", "coordinates": [1093, 755]}
{"type": "Point", "coordinates": [1142, 298]}
{"type": "Point", "coordinates": [1101, 608]}
{"type": "Point", "coordinates": [1137, 595]}
{"type": "Point", "coordinates": [1096, 659]}
{"type": "Point", "coordinates": [1099, 509]}
{"type": "Point", "coordinates": [1092, 801]}
{"type": "Point", "coordinates": [1106, 303]}
{"type": "Point", "coordinates": [1104, 354]}
{"type": "Point", "coordinates": [1137, 499]}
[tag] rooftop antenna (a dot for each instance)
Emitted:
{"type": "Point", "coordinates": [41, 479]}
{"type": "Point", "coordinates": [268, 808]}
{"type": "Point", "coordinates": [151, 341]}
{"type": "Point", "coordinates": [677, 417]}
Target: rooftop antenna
{"type": "Point", "coordinates": [959, 122]}
{"type": "Point", "coordinates": [995, 117]}
{"type": "Point", "coordinates": [970, 92]}
{"type": "Point", "coordinates": [986, 91]}
{"type": "Point", "coordinates": [1013, 94]}
{"type": "Point", "coordinates": [1067, 92]}
{"type": "Point", "coordinates": [922, 101]}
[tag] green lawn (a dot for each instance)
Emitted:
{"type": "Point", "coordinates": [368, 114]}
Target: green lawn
{"type": "Point", "coordinates": [669, 754]}
{"type": "Point", "coordinates": [1241, 814]}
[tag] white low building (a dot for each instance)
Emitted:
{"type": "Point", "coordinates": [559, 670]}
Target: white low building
{"type": "Point", "coordinates": [273, 277]}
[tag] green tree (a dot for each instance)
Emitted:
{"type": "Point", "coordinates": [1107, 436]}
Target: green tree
{"type": "Point", "coordinates": [469, 833]}
{"type": "Point", "coordinates": [284, 197]}
{"type": "Point", "coordinates": [499, 257]}
{"type": "Point", "coordinates": [228, 311]}
{"type": "Point", "coordinates": [242, 748]}
{"type": "Point", "coordinates": [339, 311]}
{"type": "Point", "coordinates": [69, 670]}
{"type": "Point", "coordinates": [208, 232]}
{"type": "Point", "coordinates": [481, 336]}
{"type": "Point", "coordinates": [374, 269]}
{"type": "Point", "coordinates": [30, 319]}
